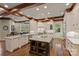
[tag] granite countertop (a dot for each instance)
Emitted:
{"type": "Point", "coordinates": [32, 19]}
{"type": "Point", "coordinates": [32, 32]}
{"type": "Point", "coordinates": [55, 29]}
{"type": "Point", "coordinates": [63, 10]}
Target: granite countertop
{"type": "Point", "coordinates": [41, 38]}
{"type": "Point", "coordinates": [11, 37]}
{"type": "Point", "coordinates": [73, 36]}
{"type": "Point", "coordinates": [16, 36]}
{"type": "Point", "coordinates": [74, 41]}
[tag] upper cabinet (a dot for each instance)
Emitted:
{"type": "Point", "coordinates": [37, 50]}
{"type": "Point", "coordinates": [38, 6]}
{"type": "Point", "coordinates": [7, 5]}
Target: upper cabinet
{"type": "Point", "coordinates": [22, 27]}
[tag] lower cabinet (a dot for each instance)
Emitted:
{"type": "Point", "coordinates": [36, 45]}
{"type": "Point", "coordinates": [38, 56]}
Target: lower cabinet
{"type": "Point", "coordinates": [11, 44]}
{"type": "Point", "coordinates": [14, 43]}
{"type": "Point", "coordinates": [23, 41]}
{"type": "Point", "coordinates": [73, 48]}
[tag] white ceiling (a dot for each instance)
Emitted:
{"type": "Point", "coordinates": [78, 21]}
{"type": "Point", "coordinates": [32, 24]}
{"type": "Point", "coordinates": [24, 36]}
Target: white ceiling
{"type": "Point", "coordinates": [10, 5]}
{"type": "Point", "coordinates": [17, 18]}
{"type": "Point", "coordinates": [55, 9]}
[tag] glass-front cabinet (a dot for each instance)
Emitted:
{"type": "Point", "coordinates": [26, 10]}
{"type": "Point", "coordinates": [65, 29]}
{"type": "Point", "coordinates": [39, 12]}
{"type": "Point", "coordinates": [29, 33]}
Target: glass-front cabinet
{"type": "Point", "coordinates": [22, 27]}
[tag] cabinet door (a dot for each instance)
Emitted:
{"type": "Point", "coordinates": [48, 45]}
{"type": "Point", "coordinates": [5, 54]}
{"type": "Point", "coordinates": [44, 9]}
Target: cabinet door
{"type": "Point", "coordinates": [25, 39]}
{"type": "Point", "coordinates": [19, 42]}
{"type": "Point", "coordinates": [15, 43]}
{"type": "Point", "coordinates": [11, 44]}
{"type": "Point", "coordinates": [67, 44]}
{"type": "Point", "coordinates": [8, 44]}
{"type": "Point", "coordinates": [22, 40]}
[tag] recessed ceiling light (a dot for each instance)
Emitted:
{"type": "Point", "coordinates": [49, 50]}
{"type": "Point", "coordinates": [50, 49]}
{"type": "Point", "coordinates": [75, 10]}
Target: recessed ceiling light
{"type": "Point", "coordinates": [45, 7]}
{"type": "Point", "coordinates": [67, 4]}
{"type": "Point", "coordinates": [37, 9]}
{"type": "Point", "coordinates": [6, 6]}
{"type": "Point", "coordinates": [48, 13]}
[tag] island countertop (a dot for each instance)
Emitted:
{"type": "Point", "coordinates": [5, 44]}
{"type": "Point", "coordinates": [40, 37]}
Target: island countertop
{"type": "Point", "coordinates": [47, 39]}
{"type": "Point", "coordinates": [74, 41]}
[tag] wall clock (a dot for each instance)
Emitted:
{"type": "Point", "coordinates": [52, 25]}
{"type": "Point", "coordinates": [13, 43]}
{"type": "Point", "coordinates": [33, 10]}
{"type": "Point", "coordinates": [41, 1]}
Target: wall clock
{"type": "Point", "coordinates": [5, 27]}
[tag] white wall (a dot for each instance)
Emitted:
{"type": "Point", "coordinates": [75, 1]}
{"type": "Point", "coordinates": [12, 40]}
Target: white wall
{"type": "Point", "coordinates": [56, 35]}
{"type": "Point", "coordinates": [71, 20]}
{"type": "Point", "coordinates": [47, 24]}
{"type": "Point", "coordinates": [8, 23]}
{"type": "Point", "coordinates": [33, 26]}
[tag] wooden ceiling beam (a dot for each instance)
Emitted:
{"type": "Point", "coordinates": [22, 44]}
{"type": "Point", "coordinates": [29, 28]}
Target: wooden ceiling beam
{"type": "Point", "coordinates": [58, 19]}
{"type": "Point", "coordinates": [30, 5]}
{"type": "Point", "coordinates": [55, 17]}
{"type": "Point", "coordinates": [15, 9]}
{"type": "Point", "coordinates": [3, 9]}
{"type": "Point", "coordinates": [71, 8]}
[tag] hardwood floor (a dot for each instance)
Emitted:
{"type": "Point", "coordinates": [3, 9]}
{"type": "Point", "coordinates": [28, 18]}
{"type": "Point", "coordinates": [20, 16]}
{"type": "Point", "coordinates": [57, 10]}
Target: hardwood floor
{"type": "Point", "coordinates": [23, 51]}
{"type": "Point", "coordinates": [57, 50]}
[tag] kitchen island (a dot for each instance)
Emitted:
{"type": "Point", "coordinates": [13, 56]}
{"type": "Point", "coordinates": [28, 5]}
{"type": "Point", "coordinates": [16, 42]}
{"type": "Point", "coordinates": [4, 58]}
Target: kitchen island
{"type": "Point", "coordinates": [40, 45]}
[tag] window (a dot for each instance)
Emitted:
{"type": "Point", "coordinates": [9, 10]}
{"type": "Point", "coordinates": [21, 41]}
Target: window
{"type": "Point", "coordinates": [57, 28]}
{"type": "Point", "coordinates": [51, 27]}
{"type": "Point", "coordinates": [41, 27]}
{"type": "Point", "coordinates": [12, 28]}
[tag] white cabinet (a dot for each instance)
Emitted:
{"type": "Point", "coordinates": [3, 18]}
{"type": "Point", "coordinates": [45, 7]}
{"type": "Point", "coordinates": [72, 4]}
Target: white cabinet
{"type": "Point", "coordinates": [11, 44]}
{"type": "Point", "coordinates": [73, 48]}
{"type": "Point", "coordinates": [15, 42]}
{"type": "Point", "coordinates": [23, 39]}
